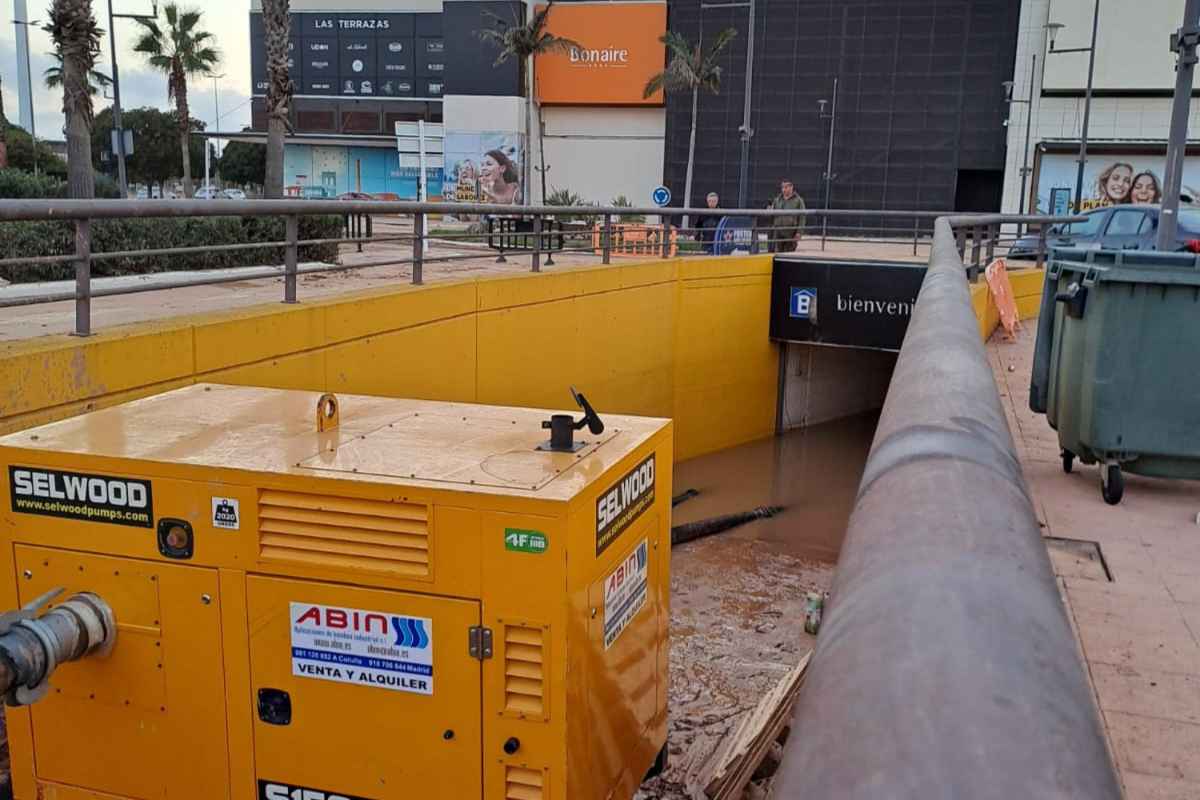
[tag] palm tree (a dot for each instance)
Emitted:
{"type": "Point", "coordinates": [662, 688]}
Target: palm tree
{"type": "Point", "coordinates": [277, 25]}
{"type": "Point", "coordinates": [524, 41]}
{"type": "Point", "coordinates": [53, 76]}
{"type": "Point", "coordinates": [77, 37]}
{"type": "Point", "coordinates": [181, 51]}
{"type": "Point", "coordinates": [690, 69]}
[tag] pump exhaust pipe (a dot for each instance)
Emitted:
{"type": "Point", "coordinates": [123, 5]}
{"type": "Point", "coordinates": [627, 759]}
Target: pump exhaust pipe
{"type": "Point", "coordinates": [32, 646]}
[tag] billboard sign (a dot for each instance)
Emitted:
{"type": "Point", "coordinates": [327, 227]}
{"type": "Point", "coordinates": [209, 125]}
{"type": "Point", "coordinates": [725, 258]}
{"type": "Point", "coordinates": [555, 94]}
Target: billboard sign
{"type": "Point", "coordinates": [356, 54]}
{"type": "Point", "coordinates": [482, 167]}
{"type": "Point", "coordinates": [1107, 180]}
{"type": "Point", "coordinates": [619, 52]}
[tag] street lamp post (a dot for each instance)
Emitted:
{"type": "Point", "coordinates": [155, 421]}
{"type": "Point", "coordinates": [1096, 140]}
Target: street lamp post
{"type": "Point", "coordinates": [29, 73]}
{"type": "Point", "coordinates": [744, 130]}
{"type": "Point", "coordinates": [1028, 102]}
{"type": "Point", "coordinates": [216, 124]}
{"type": "Point", "coordinates": [1054, 28]}
{"type": "Point", "coordinates": [119, 132]}
{"type": "Point", "coordinates": [829, 176]}
{"type": "Point", "coordinates": [1184, 43]}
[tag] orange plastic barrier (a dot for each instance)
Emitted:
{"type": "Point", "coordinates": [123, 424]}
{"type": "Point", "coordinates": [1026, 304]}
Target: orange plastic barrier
{"type": "Point", "coordinates": [630, 240]}
{"type": "Point", "coordinates": [996, 276]}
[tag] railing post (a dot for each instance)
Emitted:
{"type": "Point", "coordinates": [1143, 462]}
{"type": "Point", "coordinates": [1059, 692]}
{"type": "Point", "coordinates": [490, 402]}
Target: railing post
{"type": "Point", "coordinates": [992, 232]}
{"type": "Point", "coordinates": [291, 258]}
{"type": "Point", "coordinates": [665, 237]}
{"type": "Point", "coordinates": [549, 238]}
{"type": "Point", "coordinates": [960, 239]}
{"type": "Point", "coordinates": [916, 232]}
{"type": "Point", "coordinates": [1041, 251]}
{"type": "Point", "coordinates": [370, 227]}
{"type": "Point", "coordinates": [606, 240]}
{"type": "Point", "coordinates": [418, 258]}
{"type": "Point", "coordinates": [536, 256]}
{"type": "Point", "coordinates": [83, 277]}
{"type": "Point", "coordinates": [976, 242]}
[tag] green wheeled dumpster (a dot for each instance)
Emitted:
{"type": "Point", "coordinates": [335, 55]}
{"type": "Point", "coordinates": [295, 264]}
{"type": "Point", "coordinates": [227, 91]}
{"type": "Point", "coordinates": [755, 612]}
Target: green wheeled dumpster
{"type": "Point", "coordinates": [1117, 363]}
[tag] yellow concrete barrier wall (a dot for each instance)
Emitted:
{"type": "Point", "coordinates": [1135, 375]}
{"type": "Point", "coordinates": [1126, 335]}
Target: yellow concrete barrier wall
{"type": "Point", "coordinates": [678, 338]}
{"type": "Point", "coordinates": [1027, 290]}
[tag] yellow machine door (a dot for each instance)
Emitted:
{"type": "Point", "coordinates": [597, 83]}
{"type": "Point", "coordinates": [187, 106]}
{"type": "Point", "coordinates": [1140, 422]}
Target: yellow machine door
{"type": "Point", "coordinates": [362, 693]}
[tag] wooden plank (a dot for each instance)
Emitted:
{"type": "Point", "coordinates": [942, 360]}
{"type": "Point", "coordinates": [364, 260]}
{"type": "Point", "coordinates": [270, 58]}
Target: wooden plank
{"type": "Point", "coordinates": [743, 750]}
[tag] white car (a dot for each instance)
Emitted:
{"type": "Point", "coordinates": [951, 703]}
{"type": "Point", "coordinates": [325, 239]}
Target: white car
{"type": "Point", "coordinates": [233, 194]}
{"type": "Point", "coordinates": [207, 193]}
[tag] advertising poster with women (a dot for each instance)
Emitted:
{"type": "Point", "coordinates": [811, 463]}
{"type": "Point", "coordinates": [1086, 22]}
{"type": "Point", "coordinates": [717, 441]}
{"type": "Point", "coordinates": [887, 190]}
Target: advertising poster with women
{"type": "Point", "coordinates": [1108, 180]}
{"type": "Point", "coordinates": [482, 168]}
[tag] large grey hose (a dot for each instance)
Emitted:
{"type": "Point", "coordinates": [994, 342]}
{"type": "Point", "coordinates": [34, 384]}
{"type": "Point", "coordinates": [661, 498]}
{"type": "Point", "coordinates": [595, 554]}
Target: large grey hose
{"type": "Point", "coordinates": [32, 647]}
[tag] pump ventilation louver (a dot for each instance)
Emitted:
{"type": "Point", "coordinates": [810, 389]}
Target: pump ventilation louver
{"type": "Point", "coordinates": [344, 532]}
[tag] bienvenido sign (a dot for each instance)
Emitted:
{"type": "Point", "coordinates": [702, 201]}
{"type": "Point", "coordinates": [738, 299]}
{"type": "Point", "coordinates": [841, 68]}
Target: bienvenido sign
{"type": "Point", "coordinates": [863, 304]}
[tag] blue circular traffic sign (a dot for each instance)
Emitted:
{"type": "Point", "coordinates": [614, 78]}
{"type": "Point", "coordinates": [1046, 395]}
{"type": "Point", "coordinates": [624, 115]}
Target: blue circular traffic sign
{"type": "Point", "coordinates": [661, 196]}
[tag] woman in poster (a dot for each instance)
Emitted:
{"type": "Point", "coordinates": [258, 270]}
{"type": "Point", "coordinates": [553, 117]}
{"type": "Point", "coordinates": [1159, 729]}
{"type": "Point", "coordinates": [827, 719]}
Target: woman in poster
{"type": "Point", "coordinates": [499, 178]}
{"type": "Point", "coordinates": [466, 189]}
{"type": "Point", "coordinates": [1112, 186]}
{"type": "Point", "coordinates": [1145, 188]}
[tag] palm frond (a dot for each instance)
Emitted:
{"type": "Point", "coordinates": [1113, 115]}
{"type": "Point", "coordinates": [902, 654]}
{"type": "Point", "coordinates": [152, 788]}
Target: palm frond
{"type": "Point", "coordinates": [689, 66]}
{"type": "Point", "coordinates": [655, 84]}
{"type": "Point", "coordinates": [549, 43]}
{"type": "Point", "coordinates": [677, 44]}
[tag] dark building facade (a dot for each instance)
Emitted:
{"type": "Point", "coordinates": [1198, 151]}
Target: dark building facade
{"type": "Point", "coordinates": [920, 106]}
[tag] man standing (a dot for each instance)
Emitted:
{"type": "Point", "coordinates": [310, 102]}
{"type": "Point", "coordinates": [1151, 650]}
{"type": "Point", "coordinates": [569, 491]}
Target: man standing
{"type": "Point", "coordinates": [706, 226]}
{"type": "Point", "coordinates": [785, 231]}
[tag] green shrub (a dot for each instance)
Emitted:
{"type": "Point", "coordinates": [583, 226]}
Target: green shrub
{"type": "Point", "coordinates": [18, 239]}
{"type": "Point", "coordinates": [565, 197]}
{"type": "Point", "coordinates": [17, 184]}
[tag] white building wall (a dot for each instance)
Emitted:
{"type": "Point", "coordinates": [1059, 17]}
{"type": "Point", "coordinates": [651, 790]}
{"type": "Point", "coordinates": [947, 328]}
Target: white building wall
{"type": "Point", "coordinates": [1112, 118]}
{"type": "Point", "coordinates": [602, 153]}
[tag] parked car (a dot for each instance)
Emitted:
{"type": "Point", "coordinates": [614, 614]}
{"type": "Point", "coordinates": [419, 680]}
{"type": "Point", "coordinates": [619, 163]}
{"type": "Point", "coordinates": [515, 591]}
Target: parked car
{"type": "Point", "coordinates": [234, 194]}
{"type": "Point", "coordinates": [1124, 227]}
{"type": "Point", "coordinates": [355, 196]}
{"type": "Point", "coordinates": [207, 193]}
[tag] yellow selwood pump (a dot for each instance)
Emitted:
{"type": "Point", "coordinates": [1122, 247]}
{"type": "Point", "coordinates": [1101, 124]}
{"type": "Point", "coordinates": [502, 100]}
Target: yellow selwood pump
{"type": "Point", "coordinates": [290, 596]}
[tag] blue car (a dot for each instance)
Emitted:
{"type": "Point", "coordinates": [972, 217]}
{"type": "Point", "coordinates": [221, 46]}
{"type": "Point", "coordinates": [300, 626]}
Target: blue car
{"type": "Point", "coordinates": [1125, 227]}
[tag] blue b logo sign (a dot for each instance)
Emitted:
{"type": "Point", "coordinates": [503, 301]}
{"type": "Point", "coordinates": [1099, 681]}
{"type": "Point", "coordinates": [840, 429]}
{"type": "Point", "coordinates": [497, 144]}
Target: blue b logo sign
{"type": "Point", "coordinates": [803, 304]}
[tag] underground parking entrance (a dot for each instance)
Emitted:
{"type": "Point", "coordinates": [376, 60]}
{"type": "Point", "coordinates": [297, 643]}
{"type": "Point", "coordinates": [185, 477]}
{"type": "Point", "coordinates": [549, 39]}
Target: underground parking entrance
{"type": "Point", "coordinates": [757, 528]}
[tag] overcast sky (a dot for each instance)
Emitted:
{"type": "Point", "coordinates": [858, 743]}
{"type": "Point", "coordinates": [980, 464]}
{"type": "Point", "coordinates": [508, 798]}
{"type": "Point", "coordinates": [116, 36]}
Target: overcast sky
{"type": "Point", "coordinates": [228, 20]}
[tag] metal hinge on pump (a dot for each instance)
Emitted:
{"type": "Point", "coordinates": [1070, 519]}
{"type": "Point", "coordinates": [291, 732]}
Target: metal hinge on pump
{"type": "Point", "coordinates": [479, 642]}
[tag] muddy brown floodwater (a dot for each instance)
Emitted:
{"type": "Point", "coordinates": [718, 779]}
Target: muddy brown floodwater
{"type": "Point", "coordinates": [737, 598]}
{"type": "Point", "coordinates": [812, 472]}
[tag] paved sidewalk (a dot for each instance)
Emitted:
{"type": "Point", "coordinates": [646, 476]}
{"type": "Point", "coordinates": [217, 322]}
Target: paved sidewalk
{"type": "Point", "coordinates": [1139, 632]}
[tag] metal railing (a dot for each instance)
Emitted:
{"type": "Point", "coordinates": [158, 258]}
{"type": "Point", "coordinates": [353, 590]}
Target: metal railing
{"type": "Point", "coordinates": [538, 232]}
{"type": "Point", "coordinates": [946, 665]}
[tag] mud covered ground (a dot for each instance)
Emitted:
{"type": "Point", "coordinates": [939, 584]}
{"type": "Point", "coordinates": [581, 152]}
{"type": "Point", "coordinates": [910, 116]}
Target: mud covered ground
{"type": "Point", "coordinates": [737, 598]}
{"type": "Point", "coordinates": [737, 625]}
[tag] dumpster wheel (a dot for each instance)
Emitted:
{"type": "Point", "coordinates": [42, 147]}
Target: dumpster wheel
{"type": "Point", "coordinates": [1112, 484]}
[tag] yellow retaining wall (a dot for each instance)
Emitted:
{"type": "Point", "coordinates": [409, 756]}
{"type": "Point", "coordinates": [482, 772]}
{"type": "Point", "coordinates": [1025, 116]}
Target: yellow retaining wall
{"type": "Point", "coordinates": [682, 338]}
{"type": "Point", "coordinates": [678, 338]}
{"type": "Point", "coordinates": [1027, 289]}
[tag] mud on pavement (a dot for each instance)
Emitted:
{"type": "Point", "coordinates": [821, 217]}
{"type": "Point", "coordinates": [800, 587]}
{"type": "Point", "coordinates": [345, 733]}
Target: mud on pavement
{"type": "Point", "coordinates": [737, 626]}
